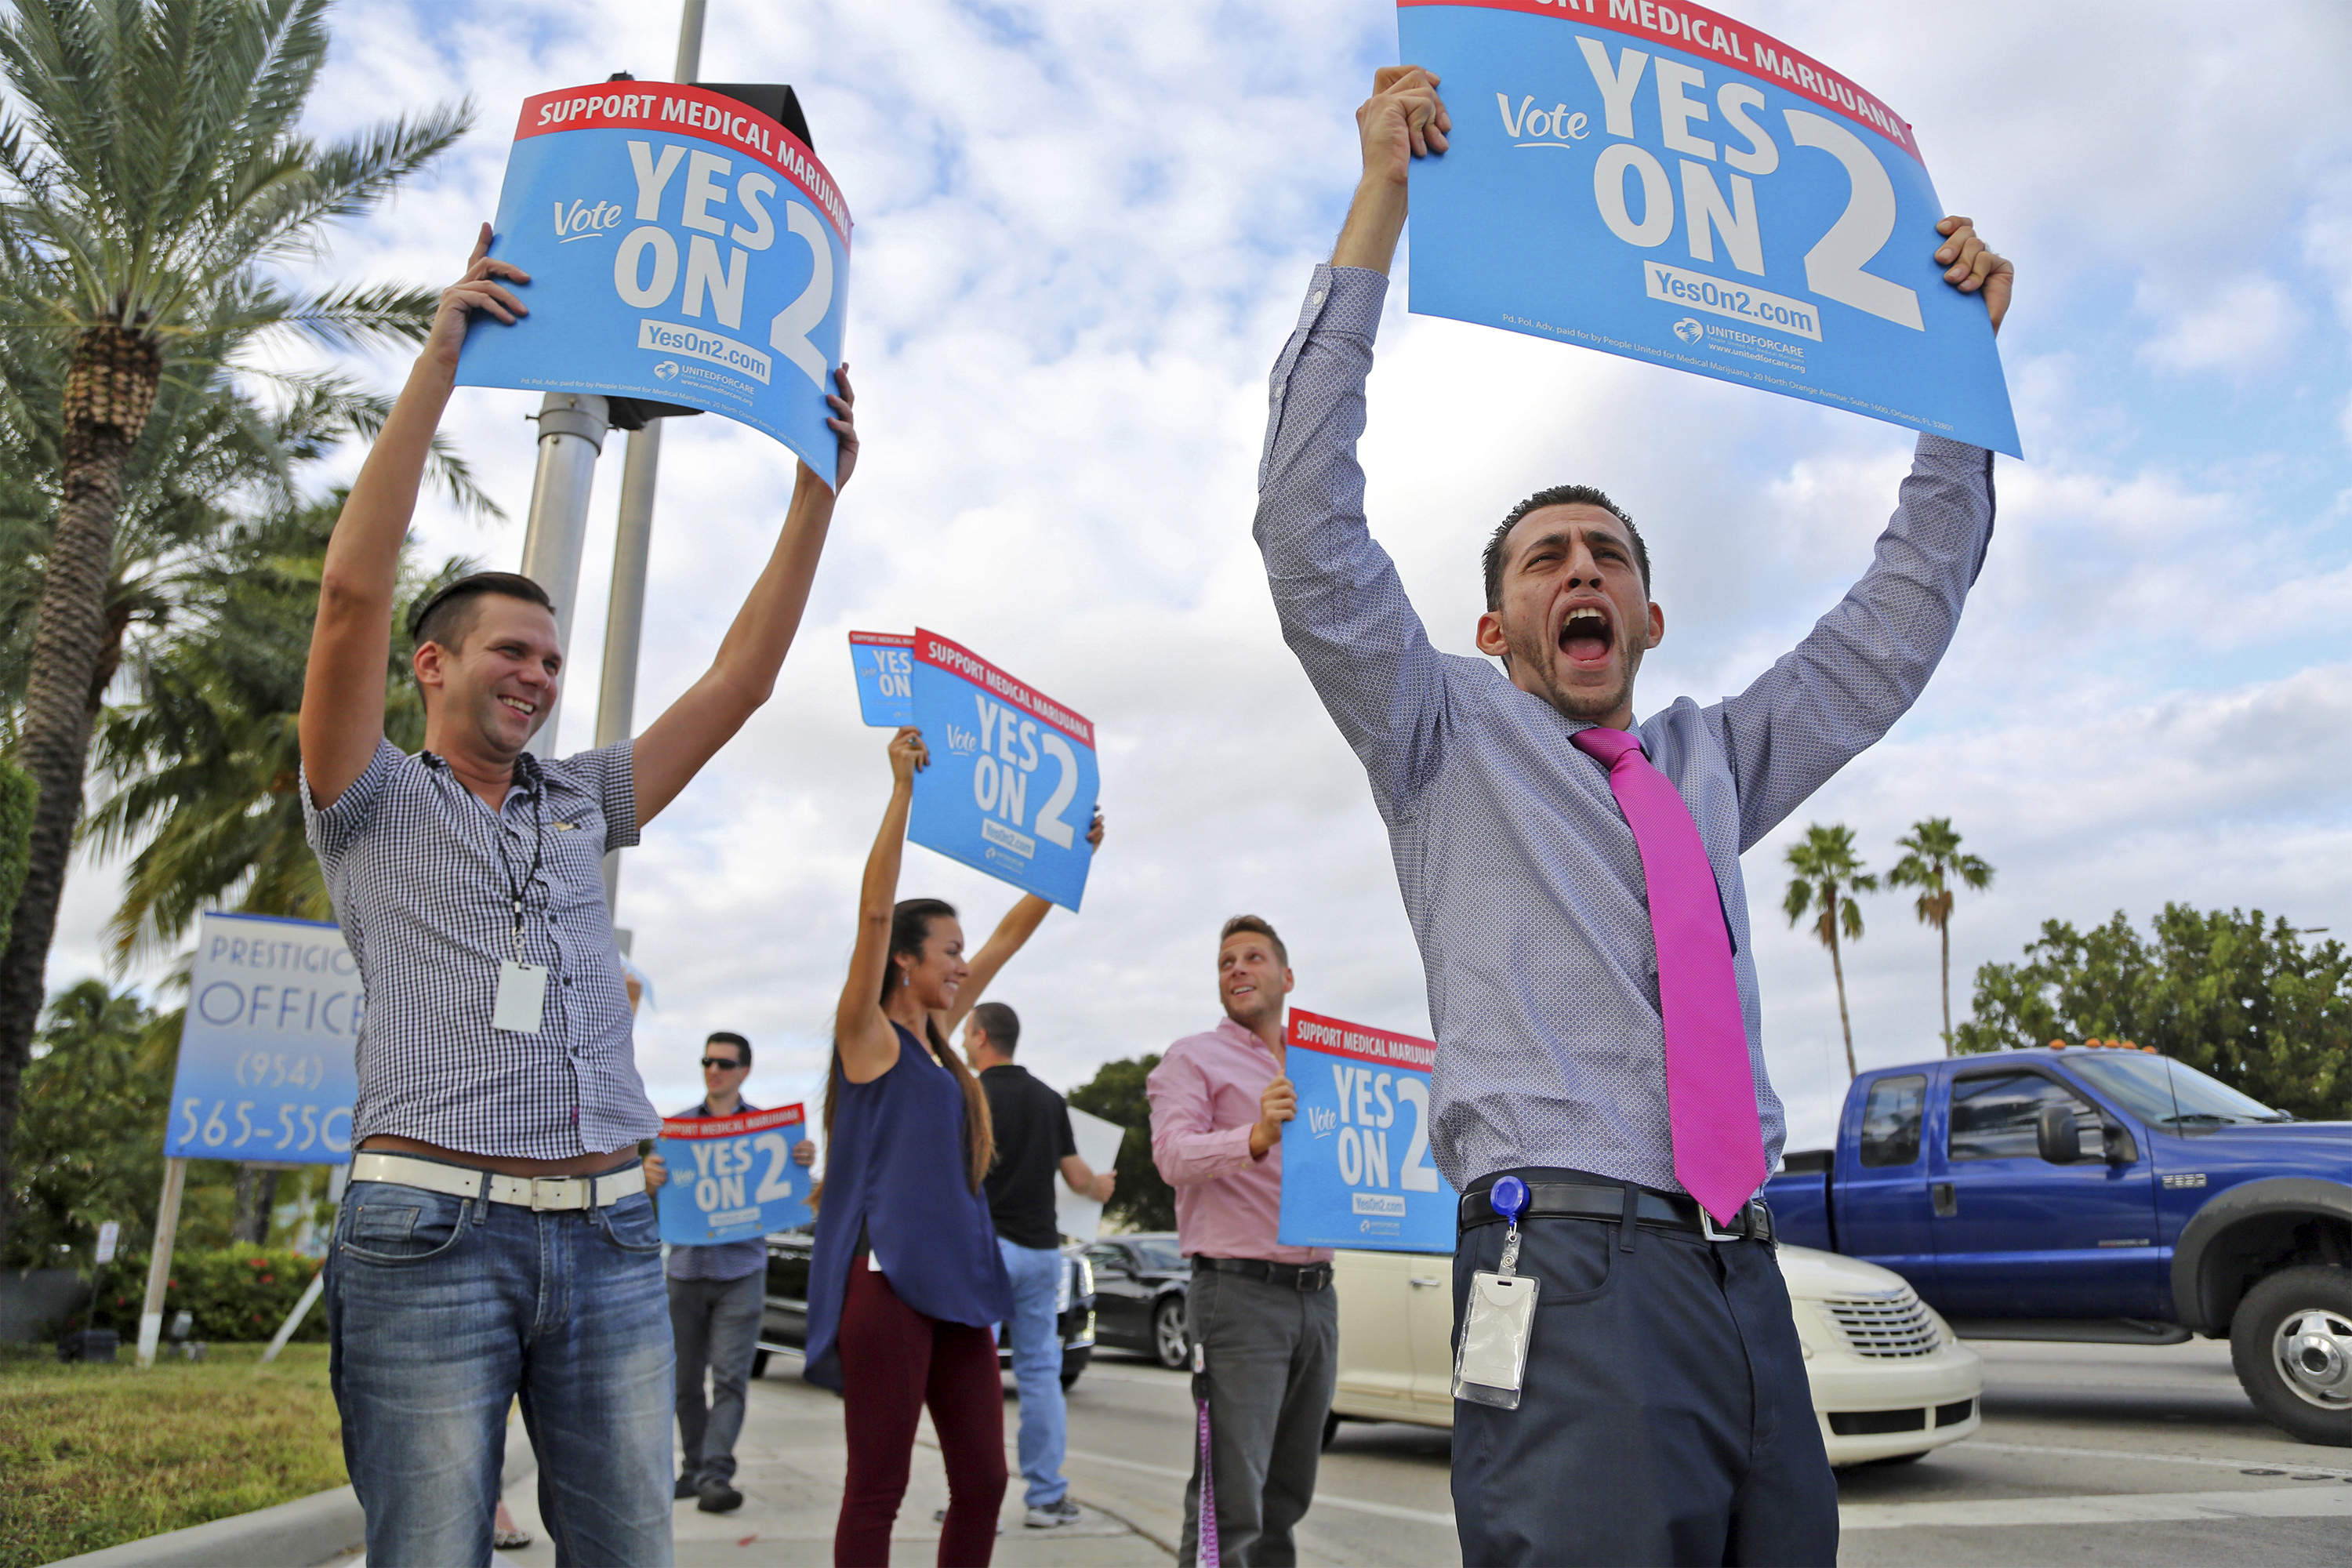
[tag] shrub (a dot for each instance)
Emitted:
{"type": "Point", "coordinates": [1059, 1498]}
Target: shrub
{"type": "Point", "coordinates": [236, 1292]}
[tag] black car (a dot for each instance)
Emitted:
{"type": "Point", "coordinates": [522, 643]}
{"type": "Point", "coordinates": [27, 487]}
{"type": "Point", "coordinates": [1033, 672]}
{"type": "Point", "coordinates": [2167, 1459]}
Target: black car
{"type": "Point", "coordinates": [784, 1324]}
{"type": "Point", "coordinates": [1139, 1284]}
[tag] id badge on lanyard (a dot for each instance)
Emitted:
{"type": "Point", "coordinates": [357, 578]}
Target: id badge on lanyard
{"type": "Point", "coordinates": [520, 1006]}
{"type": "Point", "coordinates": [1500, 1315]}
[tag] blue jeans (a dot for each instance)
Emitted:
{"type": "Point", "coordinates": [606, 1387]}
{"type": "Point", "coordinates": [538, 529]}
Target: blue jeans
{"type": "Point", "coordinates": [440, 1311]}
{"type": "Point", "coordinates": [1037, 1368]}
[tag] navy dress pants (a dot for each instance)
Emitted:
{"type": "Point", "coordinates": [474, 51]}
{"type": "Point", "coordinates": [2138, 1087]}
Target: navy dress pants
{"type": "Point", "coordinates": [1665, 1416]}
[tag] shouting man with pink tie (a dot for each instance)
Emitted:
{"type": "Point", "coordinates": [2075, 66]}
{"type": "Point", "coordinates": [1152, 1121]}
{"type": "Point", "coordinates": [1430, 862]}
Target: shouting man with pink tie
{"type": "Point", "coordinates": [1573, 881]}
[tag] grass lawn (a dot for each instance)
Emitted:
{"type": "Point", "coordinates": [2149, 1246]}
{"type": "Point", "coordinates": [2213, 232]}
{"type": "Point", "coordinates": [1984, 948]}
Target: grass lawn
{"type": "Point", "coordinates": [93, 1456]}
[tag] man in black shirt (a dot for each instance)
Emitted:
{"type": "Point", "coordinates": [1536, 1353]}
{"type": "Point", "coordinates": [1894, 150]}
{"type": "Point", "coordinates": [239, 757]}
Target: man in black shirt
{"type": "Point", "coordinates": [1032, 1140]}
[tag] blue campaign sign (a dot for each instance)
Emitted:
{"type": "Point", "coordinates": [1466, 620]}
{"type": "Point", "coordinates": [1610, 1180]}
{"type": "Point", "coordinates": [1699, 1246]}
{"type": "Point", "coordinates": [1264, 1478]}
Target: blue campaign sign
{"type": "Point", "coordinates": [1356, 1170]}
{"type": "Point", "coordinates": [1012, 783]}
{"type": "Point", "coordinates": [681, 247]}
{"type": "Point", "coordinates": [732, 1177]}
{"type": "Point", "coordinates": [266, 1071]}
{"type": "Point", "coordinates": [1664, 183]}
{"type": "Point", "coordinates": [885, 666]}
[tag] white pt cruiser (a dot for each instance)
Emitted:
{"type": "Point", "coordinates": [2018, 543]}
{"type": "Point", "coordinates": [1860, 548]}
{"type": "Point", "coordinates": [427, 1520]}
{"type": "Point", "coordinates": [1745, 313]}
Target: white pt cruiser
{"type": "Point", "coordinates": [1889, 1380]}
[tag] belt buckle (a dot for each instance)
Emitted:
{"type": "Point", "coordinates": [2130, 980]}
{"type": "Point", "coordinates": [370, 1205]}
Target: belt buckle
{"type": "Point", "coordinates": [1707, 1225]}
{"type": "Point", "coordinates": [544, 1186]}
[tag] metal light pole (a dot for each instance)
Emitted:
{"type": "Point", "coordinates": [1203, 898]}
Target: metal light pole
{"type": "Point", "coordinates": [625, 623]}
{"type": "Point", "coordinates": [572, 428]}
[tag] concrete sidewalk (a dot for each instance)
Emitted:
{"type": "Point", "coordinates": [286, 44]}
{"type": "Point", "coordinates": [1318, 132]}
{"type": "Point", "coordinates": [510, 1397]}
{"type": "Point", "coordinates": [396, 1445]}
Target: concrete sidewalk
{"type": "Point", "coordinates": [793, 1457]}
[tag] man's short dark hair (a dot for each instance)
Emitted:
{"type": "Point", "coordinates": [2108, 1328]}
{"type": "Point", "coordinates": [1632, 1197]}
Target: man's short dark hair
{"type": "Point", "coordinates": [1255, 925]}
{"type": "Point", "coordinates": [1559, 495]}
{"type": "Point", "coordinates": [446, 615]}
{"type": "Point", "coordinates": [1001, 1024]}
{"type": "Point", "coordinates": [730, 1037]}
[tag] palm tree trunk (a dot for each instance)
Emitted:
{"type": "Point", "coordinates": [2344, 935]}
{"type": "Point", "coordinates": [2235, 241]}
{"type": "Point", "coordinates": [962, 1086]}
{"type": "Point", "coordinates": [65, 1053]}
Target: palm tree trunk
{"type": "Point", "coordinates": [1837, 968]}
{"type": "Point", "coordinates": [109, 391]}
{"type": "Point", "coordinates": [1944, 930]}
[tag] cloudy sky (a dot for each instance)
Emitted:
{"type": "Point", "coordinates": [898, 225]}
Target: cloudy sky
{"type": "Point", "coordinates": [1082, 234]}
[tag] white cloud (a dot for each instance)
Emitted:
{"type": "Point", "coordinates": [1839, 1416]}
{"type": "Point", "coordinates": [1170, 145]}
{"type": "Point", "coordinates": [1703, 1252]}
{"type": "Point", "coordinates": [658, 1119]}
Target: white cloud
{"type": "Point", "coordinates": [1082, 236]}
{"type": "Point", "coordinates": [2242, 326]}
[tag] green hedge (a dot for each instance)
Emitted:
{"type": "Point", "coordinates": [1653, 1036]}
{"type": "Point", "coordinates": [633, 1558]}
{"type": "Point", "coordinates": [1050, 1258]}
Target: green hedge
{"type": "Point", "coordinates": [236, 1292]}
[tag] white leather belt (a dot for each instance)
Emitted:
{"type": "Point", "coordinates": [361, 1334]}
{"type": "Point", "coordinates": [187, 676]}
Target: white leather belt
{"type": "Point", "coordinates": [526, 1191]}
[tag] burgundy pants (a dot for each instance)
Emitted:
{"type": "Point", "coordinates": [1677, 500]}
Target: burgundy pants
{"type": "Point", "coordinates": [894, 1362]}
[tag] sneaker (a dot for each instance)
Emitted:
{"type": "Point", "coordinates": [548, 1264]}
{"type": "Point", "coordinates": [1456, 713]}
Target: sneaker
{"type": "Point", "coordinates": [717, 1497]}
{"type": "Point", "coordinates": [1052, 1515]}
{"type": "Point", "coordinates": [686, 1488]}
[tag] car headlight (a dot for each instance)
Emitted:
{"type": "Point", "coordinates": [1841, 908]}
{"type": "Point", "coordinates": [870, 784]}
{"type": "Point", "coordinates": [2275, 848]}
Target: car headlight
{"type": "Point", "coordinates": [1086, 1275]}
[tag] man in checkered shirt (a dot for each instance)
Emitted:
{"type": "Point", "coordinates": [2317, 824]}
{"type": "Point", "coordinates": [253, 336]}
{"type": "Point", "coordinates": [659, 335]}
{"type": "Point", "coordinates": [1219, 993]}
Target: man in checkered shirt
{"type": "Point", "coordinates": [1663, 1412]}
{"type": "Point", "coordinates": [497, 1239]}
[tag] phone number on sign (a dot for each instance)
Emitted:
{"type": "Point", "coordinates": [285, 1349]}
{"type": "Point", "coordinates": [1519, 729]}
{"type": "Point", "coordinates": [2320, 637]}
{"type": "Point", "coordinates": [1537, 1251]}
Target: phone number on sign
{"type": "Point", "coordinates": [231, 1125]}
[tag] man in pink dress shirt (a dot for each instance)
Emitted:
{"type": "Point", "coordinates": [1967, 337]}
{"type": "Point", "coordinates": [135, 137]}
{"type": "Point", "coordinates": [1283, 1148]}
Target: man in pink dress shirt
{"type": "Point", "coordinates": [1261, 1314]}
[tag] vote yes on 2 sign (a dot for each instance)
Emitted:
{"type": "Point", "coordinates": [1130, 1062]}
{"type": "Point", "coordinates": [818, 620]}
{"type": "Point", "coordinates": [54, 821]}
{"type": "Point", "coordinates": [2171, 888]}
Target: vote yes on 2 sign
{"type": "Point", "coordinates": [1356, 1170]}
{"type": "Point", "coordinates": [885, 666]}
{"type": "Point", "coordinates": [733, 1177]}
{"type": "Point", "coordinates": [681, 248]}
{"type": "Point", "coordinates": [266, 1069]}
{"type": "Point", "coordinates": [1663, 183]}
{"type": "Point", "coordinates": [1012, 783]}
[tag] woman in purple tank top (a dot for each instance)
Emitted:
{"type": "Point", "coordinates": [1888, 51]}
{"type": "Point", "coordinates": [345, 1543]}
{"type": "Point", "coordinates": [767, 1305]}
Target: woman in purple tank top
{"type": "Point", "coordinates": [906, 1278]}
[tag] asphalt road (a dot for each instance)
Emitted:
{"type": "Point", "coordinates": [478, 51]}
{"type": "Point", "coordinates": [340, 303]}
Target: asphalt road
{"type": "Point", "coordinates": [2089, 1454]}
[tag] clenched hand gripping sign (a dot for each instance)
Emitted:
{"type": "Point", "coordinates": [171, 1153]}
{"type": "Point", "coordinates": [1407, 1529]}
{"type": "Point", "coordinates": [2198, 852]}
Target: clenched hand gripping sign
{"type": "Point", "coordinates": [1664, 183]}
{"type": "Point", "coordinates": [681, 247]}
{"type": "Point", "coordinates": [1356, 1170]}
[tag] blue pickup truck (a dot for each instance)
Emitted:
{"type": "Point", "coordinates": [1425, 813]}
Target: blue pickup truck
{"type": "Point", "coordinates": [2072, 1192]}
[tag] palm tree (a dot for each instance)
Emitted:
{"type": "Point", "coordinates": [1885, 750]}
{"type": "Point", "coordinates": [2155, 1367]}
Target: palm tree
{"type": "Point", "coordinates": [1828, 873]}
{"type": "Point", "coordinates": [201, 754]}
{"type": "Point", "coordinates": [151, 173]}
{"type": "Point", "coordinates": [1932, 862]}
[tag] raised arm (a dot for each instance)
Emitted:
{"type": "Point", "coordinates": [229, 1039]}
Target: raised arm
{"type": "Point", "coordinates": [1342, 606]}
{"type": "Point", "coordinates": [867, 1043]}
{"type": "Point", "coordinates": [1866, 662]}
{"type": "Point", "coordinates": [709, 712]}
{"type": "Point", "coordinates": [343, 686]}
{"type": "Point", "coordinates": [1010, 935]}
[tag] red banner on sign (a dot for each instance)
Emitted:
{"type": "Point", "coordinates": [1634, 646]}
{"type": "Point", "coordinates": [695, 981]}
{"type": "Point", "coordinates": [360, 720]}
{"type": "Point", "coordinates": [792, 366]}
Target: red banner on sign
{"type": "Point", "coordinates": [1696, 30]}
{"type": "Point", "coordinates": [732, 1126]}
{"type": "Point", "coordinates": [1334, 1037]}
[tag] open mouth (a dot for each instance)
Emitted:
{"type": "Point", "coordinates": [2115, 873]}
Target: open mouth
{"type": "Point", "coordinates": [1584, 634]}
{"type": "Point", "coordinates": [519, 706]}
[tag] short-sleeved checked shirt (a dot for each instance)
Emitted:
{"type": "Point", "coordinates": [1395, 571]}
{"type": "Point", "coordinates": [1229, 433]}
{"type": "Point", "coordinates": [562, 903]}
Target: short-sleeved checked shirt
{"type": "Point", "coordinates": [1519, 874]}
{"type": "Point", "coordinates": [421, 873]}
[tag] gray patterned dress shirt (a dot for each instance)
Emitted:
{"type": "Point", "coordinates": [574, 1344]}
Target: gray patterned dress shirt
{"type": "Point", "coordinates": [1519, 874]}
{"type": "Point", "coordinates": [421, 872]}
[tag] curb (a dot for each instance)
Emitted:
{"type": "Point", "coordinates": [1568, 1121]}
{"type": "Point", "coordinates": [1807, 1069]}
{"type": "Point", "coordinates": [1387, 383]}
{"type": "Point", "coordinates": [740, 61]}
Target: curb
{"type": "Point", "coordinates": [303, 1533]}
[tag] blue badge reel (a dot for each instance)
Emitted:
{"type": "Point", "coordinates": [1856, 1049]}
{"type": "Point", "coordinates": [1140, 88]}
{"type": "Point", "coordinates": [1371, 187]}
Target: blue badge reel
{"type": "Point", "coordinates": [1492, 1359]}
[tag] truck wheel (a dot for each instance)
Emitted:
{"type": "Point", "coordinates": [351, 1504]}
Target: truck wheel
{"type": "Point", "coordinates": [1170, 1344]}
{"type": "Point", "coordinates": [2291, 1341]}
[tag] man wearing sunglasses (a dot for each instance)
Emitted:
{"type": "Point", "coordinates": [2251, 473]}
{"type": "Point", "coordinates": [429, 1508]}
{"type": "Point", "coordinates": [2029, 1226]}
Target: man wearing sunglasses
{"type": "Point", "coordinates": [714, 1296]}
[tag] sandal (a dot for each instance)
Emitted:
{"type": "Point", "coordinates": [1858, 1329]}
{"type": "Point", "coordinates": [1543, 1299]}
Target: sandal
{"type": "Point", "coordinates": [510, 1540]}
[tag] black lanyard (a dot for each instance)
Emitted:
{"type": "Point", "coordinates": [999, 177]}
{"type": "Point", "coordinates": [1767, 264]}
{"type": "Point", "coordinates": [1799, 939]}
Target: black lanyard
{"type": "Point", "coordinates": [538, 853]}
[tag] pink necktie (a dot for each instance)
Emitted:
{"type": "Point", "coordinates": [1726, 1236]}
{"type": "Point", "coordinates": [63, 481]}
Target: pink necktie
{"type": "Point", "coordinates": [1710, 1087]}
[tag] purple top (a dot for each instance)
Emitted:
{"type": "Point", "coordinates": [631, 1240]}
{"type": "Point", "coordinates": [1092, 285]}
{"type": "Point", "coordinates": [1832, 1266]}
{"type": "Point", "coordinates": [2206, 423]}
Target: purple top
{"type": "Point", "coordinates": [895, 1172]}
